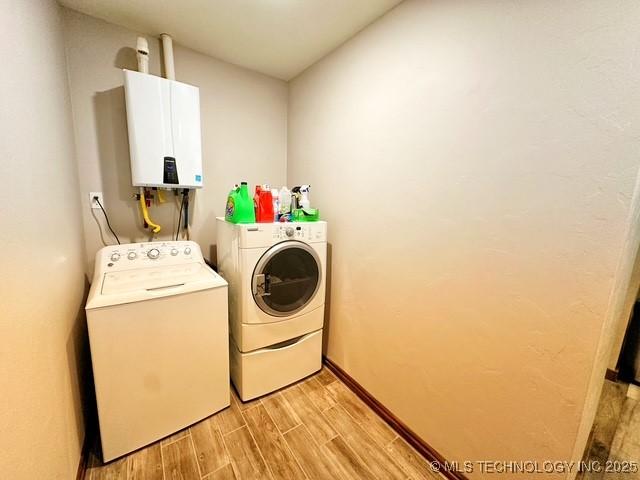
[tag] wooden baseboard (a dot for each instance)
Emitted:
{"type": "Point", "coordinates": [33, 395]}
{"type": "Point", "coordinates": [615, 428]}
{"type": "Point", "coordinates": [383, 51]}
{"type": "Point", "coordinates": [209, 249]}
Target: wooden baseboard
{"type": "Point", "coordinates": [422, 447]}
{"type": "Point", "coordinates": [611, 375]}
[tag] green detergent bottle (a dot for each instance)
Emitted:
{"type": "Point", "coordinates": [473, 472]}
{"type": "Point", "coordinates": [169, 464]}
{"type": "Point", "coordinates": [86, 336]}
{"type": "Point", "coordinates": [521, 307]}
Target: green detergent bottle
{"type": "Point", "coordinates": [240, 206]}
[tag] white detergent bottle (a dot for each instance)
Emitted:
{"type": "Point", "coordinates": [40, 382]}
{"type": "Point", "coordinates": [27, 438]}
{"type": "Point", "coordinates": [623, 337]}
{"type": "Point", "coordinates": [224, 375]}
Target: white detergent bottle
{"type": "Point", "coordinates": [285, 200]}
{"type": "Point", "coordinates": [304, 196]}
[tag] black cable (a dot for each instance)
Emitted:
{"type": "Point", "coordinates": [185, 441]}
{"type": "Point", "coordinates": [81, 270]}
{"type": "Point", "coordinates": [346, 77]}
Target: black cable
{"type": "Point", "coordinates": [185, 195]}
{"type": "Point", "coordinates": [179, 218]}
{"type": "Point", "coordinates": [107, 219]}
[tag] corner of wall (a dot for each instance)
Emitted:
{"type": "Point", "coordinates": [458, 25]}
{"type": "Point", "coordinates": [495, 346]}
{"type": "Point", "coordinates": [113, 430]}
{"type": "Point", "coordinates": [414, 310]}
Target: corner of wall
{"type": "Point", "coordinates": [615, 314]}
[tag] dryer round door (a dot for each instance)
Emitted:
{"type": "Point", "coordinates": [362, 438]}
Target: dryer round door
{"type": "Point", "coordinates": [286, 278]}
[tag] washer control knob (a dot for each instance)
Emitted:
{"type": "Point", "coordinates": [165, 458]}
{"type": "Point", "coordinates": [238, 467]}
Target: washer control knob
{"type": "Point", "coordinates": [153, 253]}
{"type": "Point", "coordinates": [289, 231]}
{"type": "Point", "coordinates": [115, 257]}
{"type": "Point", "coordinates": [132, 255]}
{"type": "Point", "coordinates": [187, 250]}
{"type": "Point", "coordinates": [174, 252]}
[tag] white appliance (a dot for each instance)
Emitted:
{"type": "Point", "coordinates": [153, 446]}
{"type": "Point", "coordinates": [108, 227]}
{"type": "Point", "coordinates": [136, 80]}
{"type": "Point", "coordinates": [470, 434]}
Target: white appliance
{"type": "Point", "coordinates": [158, 330]}
{"type": "Point", "coordinates": [276, 275]}
{"type": "Point", "coordinates": [163, 118]}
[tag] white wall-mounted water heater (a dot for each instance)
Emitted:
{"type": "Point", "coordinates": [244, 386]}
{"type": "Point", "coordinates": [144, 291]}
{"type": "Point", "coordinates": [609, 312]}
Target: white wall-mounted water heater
{"type": "Point", "coordinates": [163, 118]}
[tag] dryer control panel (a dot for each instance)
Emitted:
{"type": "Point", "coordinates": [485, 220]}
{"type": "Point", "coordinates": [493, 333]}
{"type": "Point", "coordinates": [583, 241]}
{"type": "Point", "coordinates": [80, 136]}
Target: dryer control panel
{"type": "Point", "coordinates": [147, 254]}
{"type": "Point", "coordinates": [260, 235]}
{"type": "Point", "coordinates": [298, 231]}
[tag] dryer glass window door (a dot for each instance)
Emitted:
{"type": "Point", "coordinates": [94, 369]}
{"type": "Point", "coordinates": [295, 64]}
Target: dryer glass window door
{"type": "Point", "coordinates": [286, 278]}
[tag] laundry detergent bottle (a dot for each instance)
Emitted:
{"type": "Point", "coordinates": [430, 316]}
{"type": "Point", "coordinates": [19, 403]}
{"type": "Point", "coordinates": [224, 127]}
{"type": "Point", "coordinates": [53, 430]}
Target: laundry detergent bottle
{"type": "Point", "coordinates": [240, 205]}
{"type": "Point", "coordinates": [263, 203]}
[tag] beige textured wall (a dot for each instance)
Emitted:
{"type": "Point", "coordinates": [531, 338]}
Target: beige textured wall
{"type": "Point", "coordinates": [476, 163]}
{"type": "Point", "coordinates": [625, 285]}
{"type": "Point", "coordinates": [244, 128]}
{"type": "Point", "coordinates": [41, 254]}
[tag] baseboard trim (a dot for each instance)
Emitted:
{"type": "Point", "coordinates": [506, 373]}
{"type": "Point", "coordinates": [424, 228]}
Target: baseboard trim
{"type": "Point", "coordinates": [422, 447]}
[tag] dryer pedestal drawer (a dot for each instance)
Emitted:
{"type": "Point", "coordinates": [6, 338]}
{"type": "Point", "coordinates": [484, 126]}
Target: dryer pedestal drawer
{"type": "Point", "coordinates": [262, 371]}
{"type": "Point", "coordinates": [252, 336]}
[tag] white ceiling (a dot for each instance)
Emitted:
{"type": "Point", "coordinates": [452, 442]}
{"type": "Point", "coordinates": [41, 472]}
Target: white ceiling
{"type": "Point", "coordinates": [276, 37]}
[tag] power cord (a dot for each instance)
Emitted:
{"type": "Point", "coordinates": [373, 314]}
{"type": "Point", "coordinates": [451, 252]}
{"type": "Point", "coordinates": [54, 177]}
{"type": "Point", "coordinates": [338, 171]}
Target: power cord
{"type": "Point", "coordinates": [97, 199]}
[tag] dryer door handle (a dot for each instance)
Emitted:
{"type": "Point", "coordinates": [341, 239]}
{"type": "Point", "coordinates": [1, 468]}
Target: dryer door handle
{"type": "Point", "coordinates": [261, 285]}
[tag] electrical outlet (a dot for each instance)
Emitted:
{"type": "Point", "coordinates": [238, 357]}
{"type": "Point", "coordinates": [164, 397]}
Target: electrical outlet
{"type": "Point", "coordinates": [92, 201]}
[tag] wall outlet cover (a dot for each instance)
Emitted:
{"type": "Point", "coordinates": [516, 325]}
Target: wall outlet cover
{"type": "Point", "coordinates": [92, 201]}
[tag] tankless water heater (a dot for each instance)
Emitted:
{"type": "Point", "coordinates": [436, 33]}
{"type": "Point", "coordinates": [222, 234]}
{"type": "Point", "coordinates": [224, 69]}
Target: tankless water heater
{"type": "Point", "coordinates": [163, 118]}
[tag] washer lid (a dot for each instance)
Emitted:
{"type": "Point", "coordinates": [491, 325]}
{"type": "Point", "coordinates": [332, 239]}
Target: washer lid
{"type": "Point", "coordinates": [153, 282]}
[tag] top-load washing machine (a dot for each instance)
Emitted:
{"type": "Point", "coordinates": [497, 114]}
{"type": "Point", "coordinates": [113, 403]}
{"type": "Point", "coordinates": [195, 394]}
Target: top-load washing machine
{"type": "Point", "coordinates": [158, 330]}
{"type": "Point", "coordinates": [276, 276]}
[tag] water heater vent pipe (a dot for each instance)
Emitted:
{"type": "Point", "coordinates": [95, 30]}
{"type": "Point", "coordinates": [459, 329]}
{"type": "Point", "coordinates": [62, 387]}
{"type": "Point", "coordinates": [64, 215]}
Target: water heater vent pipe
{"type": "Point", "coordinates": [167, 54]}
{"type": "Point", "coordinates": [142, 53]}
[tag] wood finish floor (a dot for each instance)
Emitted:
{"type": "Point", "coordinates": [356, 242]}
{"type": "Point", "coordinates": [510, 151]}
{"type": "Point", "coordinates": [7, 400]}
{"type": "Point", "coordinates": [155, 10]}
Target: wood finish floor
{"type": "Point", "coordinates": [314, 429]}
{"type": "Point", "coordinates": [615, 436]}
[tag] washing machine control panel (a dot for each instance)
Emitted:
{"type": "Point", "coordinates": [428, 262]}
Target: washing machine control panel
{"type": "Point", "coordinates": [139, 255]}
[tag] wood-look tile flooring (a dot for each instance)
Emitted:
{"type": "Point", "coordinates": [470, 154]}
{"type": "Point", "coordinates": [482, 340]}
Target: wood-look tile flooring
{"type": "Point", "coordinates": [314, 429]}
{"type": "Point", "coordinates": [615, 435]}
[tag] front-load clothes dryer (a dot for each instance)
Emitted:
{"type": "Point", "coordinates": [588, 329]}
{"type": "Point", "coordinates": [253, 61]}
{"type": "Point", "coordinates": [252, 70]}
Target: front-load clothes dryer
{"type": "Point", "coordinates": [276, 274]}
{"type": "Point", "coordinates": [157, 317]}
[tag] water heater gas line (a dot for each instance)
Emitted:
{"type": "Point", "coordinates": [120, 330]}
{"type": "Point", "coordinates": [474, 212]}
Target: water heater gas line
{"type": "Point", "coordinates": [167, 54]}
{"type": "Point", "coordinates": [155, 228]}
